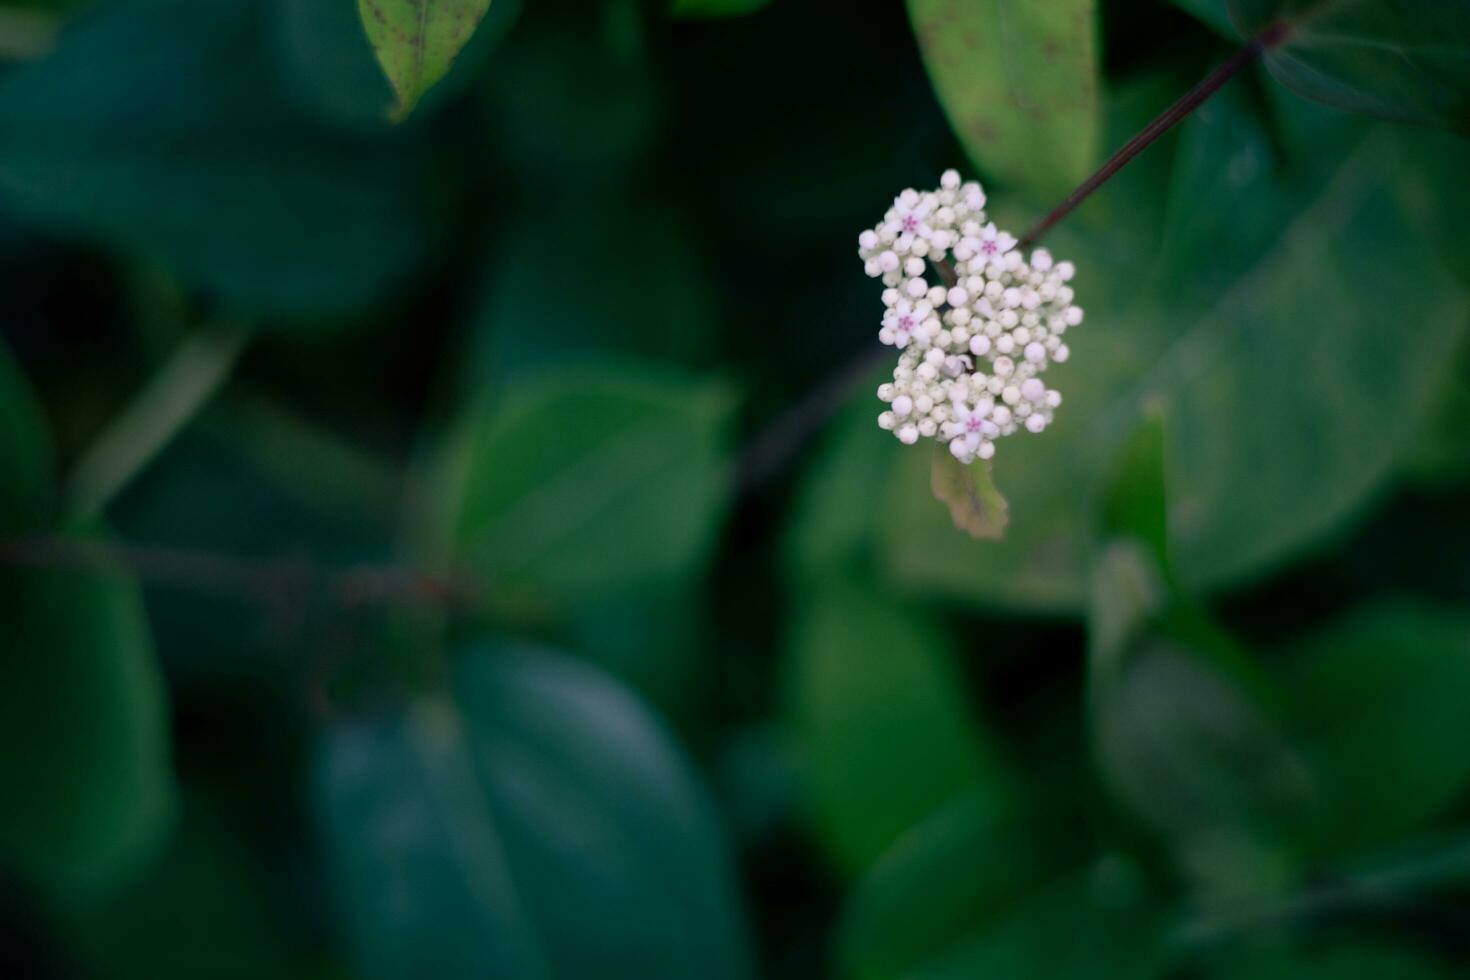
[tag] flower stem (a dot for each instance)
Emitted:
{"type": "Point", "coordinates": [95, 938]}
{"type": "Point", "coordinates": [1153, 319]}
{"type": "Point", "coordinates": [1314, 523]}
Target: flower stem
{"type": "Point", "coordinates": [1267, 39]}
{"type": "Point", "coordinates": [185, 385]}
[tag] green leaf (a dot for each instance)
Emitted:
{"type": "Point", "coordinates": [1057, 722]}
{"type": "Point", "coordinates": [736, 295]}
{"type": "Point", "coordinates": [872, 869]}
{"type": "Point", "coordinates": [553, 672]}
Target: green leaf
{"type": "Point", "coordinates": [841, 500]}
{"type": "Point", "coordinates": [975, 505]}
{"type": "Point", "coordinates": [587, 481]}
{"type": "Point", "coordinates": [540, 825]}
{"type": "Point", "coordinates": [1273, 349]}
{"type": "Point", "coordinates": [85, 768]}
{"type": "Point", "coordinates": [1401, 59]}
{"type": "Point", "coordinates": [1197, 753]}
{"type": "Point", "coordinates": [1185, 730]}
{"type": "Point", "coordinates": [1379, 700]}
{"type": "Point", "coordinates": [610, 308]}
{"type": "Point", "coordinates": [938, 881]}
{"type": "Point", "coordinates": [205, 909]}
{"type": "Point", "coordinates": [26, 488]}
{"type": "Point", "coordinates": [1356, 960]}
{"type": "Point", "coordinates": [136, 133]}
{"type": "Point", "coordinates": [1019, 84]}
{"type": "Point", "coordinates": [331, 70]}
{"type": "Point", "coordinates": [416, 41]}
{"type": "Point", "coordinates": [1098, 926]}
{"type": "Point", "coordinates": [1135, 496]}
{"type": "Point", "coordinates": [872, 688]}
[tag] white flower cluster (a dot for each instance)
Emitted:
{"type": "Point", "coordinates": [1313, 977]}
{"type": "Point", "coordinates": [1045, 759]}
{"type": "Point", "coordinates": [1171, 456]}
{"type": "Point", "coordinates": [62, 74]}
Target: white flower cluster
{"type": "Point", "coordinates": [974, 345]}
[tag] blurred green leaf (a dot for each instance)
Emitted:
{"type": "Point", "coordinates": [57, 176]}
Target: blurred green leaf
{"type": "Point", "coordinates": [840, 500]}
{"type": "Point", "coordinates": [1135, 501]}
{"type": "Point", "coordinates": [27, 484]}
{"type": "Point", "coordinates": [1098, 926]}
{"type": "Point", "coordinates": [1184, 729]}
{"type": "Point", "coordinates": [872, 688]}
{"type": "Point", "coordinates": [1273, 350]}
{"type": "Point", "coordinates": [416, 41]}
{"type": "Point", "coordinates": [1399, 59]}
{"type": "Point", "coordinates": [535, 316]}
{"type": "Point", "coordinates": [204, 910]}
{"type": "Point", "coordinates": [975, 506]}
{"type": "Point", "coordinates": [586, 481]}
{"type": "Point", "coordinates": [138, 133]}
{"type": "Point", "coordinates": [540, 825]}
{"type": "Point", "coordinates": [1019, 83]}
{"type": "Point", "coordinates": [1202, 759]}
{"type": "Point", "coordinates": [1353, 960]}
{"type": "Point", "coordinates": [85, 772]}
{"type": "Point", "coordinates": [940, 880]}
{"type": "Point", "coordinates": [1379, 699]}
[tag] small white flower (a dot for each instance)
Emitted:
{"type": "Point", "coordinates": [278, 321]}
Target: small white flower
{"type": "Point", "coordinates": [970, 348]}
{"type": "Point", "coordinates": [994, 245]}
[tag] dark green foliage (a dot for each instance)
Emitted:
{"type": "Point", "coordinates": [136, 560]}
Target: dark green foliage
{"type": "Point", "coordinates": [498, 618]}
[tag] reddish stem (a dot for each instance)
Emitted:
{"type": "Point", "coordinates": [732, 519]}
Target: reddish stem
{"type": "Point", "coordinates": [1267, 39]}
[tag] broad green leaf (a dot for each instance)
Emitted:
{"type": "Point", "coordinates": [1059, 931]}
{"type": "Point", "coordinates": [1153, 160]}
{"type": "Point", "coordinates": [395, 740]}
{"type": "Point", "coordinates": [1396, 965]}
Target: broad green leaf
{"type": "Point", "coordinates": [539, 825]}
{"type": "Point", "coordinates": [1353, 960]}
{"type": "Point", "coordinates": [416, 41]}
{"type": "Point", "coordinates": [1019, 83]}
{"type": "Point", "coordinates": [1099, 925]}
{"type": "Point", "coordinates": [85, 769]}
{"type": "Point", "coordinates": [1399, 59]}
{"type": "Point", "coordinates": [1199, 755]}
{"type": "Point", "coordinates": [1135, 495]}
{"type": "Point", "coordinates": [1379, 700]}
{"type": "Point", "coordinates": [204, 909]}
{"type": "Point", "coordinates": [975, 505]}
{"type": "Point", "coordinates": [880, 723]}
{"type": "Point", "coordinates": [1273, 348]}
{"type": "Point", "coordinates": [1185, 730]}
{"type": "Point", "coordinates": [331, 70]}
{"type": "Point", "coordinates": [940, 880]}
{"type": "Point", "coordinates": [610, 308]}
{"type": "Point", "coordinates": [841, 499]}
{"type": "Point", "coordinates": [585, 481]}
{"type": "Point", "coordinates": [138, 134]}
{"type": "Point", "coordinates": [25, 450]}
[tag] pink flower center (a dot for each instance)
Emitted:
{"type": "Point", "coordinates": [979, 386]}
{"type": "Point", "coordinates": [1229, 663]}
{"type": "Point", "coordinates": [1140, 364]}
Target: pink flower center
{"type": "Point", "coordinates": [973, 423]}
{"type": "Point", "coordinates": [905, 322]}
{"type": "Point", "coordinates": [989, 248]}
{"type": "Point", "coordinates": [910, 223]}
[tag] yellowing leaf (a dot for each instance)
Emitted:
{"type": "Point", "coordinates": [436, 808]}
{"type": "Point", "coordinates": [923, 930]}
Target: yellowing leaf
{"type": "Point", "coordinates": [975, 505]}
{"type": "Point", "coordinates": [416, 41]}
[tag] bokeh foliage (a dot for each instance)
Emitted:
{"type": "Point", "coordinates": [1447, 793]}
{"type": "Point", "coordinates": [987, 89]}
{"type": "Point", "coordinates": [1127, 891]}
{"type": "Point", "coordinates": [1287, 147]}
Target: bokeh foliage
{"type": "Point", "coordinates": [483, 625]}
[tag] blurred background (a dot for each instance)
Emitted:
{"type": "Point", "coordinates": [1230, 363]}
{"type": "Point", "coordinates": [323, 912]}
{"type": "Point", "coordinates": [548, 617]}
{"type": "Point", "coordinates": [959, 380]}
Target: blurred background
{"type": "Point", "coordinates": [464, 547]}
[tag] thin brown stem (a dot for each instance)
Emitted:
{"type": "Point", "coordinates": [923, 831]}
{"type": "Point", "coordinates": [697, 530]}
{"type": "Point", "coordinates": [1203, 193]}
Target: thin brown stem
{"type": "Point", "coordinates": [277, 584]}
{"type": "Point", "coordinates": [1267, 39]}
